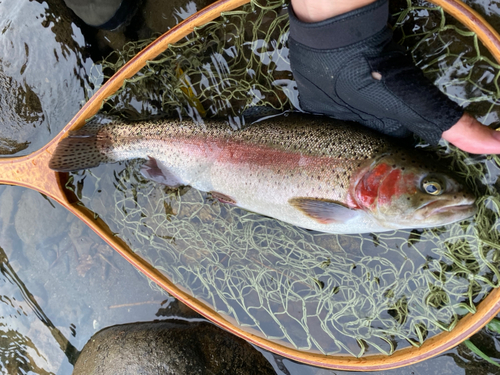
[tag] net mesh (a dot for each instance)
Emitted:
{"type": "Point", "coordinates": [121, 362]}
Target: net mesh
{"type": "Point", "coordinates": [237, 61]}
{"type": "Point", "coordinates": [312, 291]}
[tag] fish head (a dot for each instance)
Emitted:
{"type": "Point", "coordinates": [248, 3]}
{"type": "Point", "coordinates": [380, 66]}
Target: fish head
{"type": "Point", "coordinates": [401, 190]}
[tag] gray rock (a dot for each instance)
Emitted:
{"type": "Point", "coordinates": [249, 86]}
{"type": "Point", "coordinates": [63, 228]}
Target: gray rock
{"type": "Point", "coordinates": [94, 12]}
{"type": "Point", "coordinates": [169, 347]}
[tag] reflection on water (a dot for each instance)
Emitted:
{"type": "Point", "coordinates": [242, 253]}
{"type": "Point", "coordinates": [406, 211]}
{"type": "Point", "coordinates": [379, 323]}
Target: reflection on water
{"type": "Point", "coordinates": [78, 282]}
{"type": "Point", "coordinates": [44, 66]}
{"type": "Point", "coordinates": [60, 284]}
{"type": "Point", "coordinates": [19, 354]}
{"type": "Point", "coordinates": [489, 9]}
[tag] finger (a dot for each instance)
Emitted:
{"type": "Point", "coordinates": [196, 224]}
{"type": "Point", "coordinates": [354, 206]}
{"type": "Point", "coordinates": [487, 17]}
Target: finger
{"type": "Point", "coordinates": [470, 135]}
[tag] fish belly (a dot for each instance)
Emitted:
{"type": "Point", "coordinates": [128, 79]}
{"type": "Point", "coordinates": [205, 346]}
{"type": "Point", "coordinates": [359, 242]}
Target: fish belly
{"type": "Point", "coordinates": [260, 191]}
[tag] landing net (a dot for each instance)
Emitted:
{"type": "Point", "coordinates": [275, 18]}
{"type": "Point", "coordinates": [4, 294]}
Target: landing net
{"type": "Point", "coordinates": [311, 291]}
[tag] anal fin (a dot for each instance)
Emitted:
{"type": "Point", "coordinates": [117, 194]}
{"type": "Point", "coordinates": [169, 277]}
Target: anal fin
{"type": "Point", "coordinates": [223, 198]}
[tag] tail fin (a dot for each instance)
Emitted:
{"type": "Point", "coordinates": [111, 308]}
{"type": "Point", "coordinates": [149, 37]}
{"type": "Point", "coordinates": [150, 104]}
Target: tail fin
{"type": "Point", "coordinates": [80, 150]}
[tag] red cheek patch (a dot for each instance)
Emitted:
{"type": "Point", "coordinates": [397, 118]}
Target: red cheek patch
{"type": "Point", "coordinates": [383, 184]}
{"type": "Point", "coordinates": [367, 188]}
{"type": "Point", "coordinates": [390, 187]}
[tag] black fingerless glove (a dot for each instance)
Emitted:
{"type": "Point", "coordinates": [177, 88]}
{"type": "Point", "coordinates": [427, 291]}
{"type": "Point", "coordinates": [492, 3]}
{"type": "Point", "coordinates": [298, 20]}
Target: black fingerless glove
{"type": "Point", "coordinates": [349, 68]}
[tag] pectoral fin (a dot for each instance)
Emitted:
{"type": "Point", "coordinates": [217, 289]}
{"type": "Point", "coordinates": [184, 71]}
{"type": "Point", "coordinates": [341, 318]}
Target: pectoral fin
{"type": "Point", "coordinates": [323, 211]}
{"type": "Point", "coordinates": [152, 171]}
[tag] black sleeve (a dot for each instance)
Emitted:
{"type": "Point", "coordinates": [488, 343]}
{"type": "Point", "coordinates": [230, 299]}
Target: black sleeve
{"type": "Point", "coordinates": [349, 68]}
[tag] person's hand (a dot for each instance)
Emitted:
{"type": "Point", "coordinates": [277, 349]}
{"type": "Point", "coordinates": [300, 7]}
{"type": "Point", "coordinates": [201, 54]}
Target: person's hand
{"type": "Point", "coordinates": [470, 135]}
{"type": "Point", "coordinates": [349, 68]}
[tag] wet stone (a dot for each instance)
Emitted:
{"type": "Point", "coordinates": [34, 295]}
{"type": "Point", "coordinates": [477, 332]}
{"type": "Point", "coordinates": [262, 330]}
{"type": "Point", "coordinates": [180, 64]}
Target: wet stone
{"type": "Point", "coordinates": [76, 228]}
{"type": "Point", "coordinates": [49, 252]}
{"type": "Point", "coordinates": [169, 347]}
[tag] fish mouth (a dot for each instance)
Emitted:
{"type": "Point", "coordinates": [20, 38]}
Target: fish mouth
{"type": "Point", "coordinates": [446, 208]}
{"type": "Point", "coordinates": [456, 207]}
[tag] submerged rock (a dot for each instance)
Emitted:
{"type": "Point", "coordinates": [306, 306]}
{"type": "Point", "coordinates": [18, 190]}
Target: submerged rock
{"type": "Point", "coordinates": [169, 347]}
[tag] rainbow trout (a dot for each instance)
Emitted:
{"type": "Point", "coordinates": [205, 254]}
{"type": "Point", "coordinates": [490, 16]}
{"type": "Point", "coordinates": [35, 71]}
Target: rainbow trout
{"type": "Point", "coordinates": [310, 171]}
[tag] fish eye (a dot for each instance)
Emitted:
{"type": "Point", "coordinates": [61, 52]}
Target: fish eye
{"type": "Point", "coordinates": [432, 187]}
